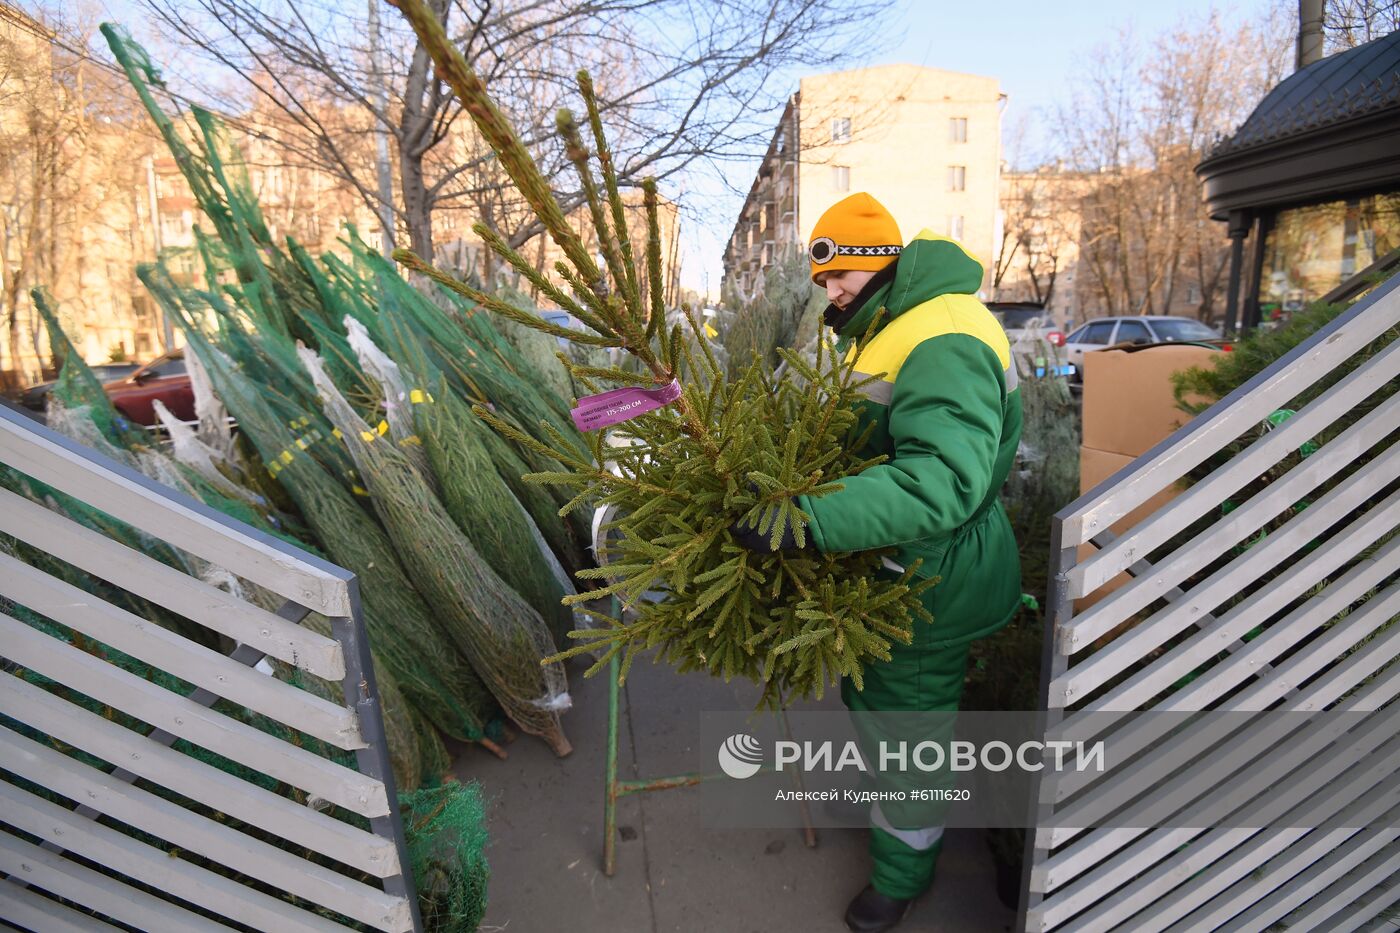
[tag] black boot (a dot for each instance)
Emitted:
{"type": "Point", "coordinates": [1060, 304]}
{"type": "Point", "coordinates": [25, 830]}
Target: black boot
{"type": "Point", "coordinates": [873, 912]}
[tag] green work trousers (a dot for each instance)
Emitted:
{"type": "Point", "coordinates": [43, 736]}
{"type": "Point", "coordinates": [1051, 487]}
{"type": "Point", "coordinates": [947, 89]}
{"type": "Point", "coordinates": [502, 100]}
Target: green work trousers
{"type": "Point", "coordinates": [905, 839]}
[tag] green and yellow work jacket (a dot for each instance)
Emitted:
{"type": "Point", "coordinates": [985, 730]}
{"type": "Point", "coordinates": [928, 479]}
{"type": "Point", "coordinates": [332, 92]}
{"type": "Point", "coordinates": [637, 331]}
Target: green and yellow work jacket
{"type": "Point", "coordinates": [946, 411]}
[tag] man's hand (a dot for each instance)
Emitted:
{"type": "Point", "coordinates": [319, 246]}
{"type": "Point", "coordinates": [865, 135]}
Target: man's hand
{"type": "Point", "coordinates": [749, 537]}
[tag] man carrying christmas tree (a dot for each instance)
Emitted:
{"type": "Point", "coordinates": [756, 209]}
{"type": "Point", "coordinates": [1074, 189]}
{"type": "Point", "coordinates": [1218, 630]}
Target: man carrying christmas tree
{"type": "Point", "coordinates": [947, 413]}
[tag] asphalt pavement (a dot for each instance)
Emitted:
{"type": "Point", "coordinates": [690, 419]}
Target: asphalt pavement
{"type": "Point", "coordinates": [674, 871]}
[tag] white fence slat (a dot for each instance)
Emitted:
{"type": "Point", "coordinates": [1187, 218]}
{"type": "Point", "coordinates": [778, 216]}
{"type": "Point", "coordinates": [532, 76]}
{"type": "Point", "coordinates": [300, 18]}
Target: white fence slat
{"type": "Point", "coordinates": [1274, 684]}
{"type": "Point", "coordinates": [229, 847]}
{"type": "Point", "coordinates": [1145, 537]}
{"type": "Point", "coordinates": [30, 911]}
{"type": "Point", "coordinates": [1304, 868]}
{"type": "Point", "coordinates": [189, 720]}
{"type": "Point", "coordinates": [1159, 768]}
{"type": "Point", "coordinates": [1138, 853]}
{"type": "Point", "coordinates": [242, 800]}
{"type": "Point", "coordinates": [1209, 546]}
{"type": "Point", "coordinates": [1322, 641]}
{"type": "Point", "coordinates": [1147, 899]}
{"type": "Point", "coordinates": [1239, 868]}
{"type": "Point", "coordinates": [192, 598]}
{"type": "Point", "coordinates": [96, 891]}
{"type": "Point", "coordinates": [1126, 863]}
{"type": "Point", "coordinates": [1366, 914]}
{"type": "Point", "coordinates": [166, 514]}
{"type": "Point", "coordinates": [1340, 340]}
{"type": "Point", "coordinates": [1253, 656]}
{"type": "Point", "coordinates": [1345, 905]}
{"type": "Point", "coordinates": [162, 649]}
{"type": "Point", "coordinates": [151, 866]}
{"type": "Point", "coordinates": [1134, 644]}
{"type": "Point", "coordinates": [1098, 844]}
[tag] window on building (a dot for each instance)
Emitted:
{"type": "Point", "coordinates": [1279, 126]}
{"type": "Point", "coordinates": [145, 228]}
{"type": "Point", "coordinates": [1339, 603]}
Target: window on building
{"type": "Point", "coordinates": [841, 130]}
{"type": "Point", "coordinates": [957, 178]}
{"type": "Point", "coordinates": [172, 228]}
{"type": "Point", "coordinates": [955, 226]}
{"type": "Point", "coordinates": [1311, 250]}
{"type": "Point", "coordinates": [841, 177]}
{"type": "Point", "coordinates": [957, 129]}
{"type": "Point", "coordinates": [142, 308]}
{"type": "Point", "coordinates": [143, 345]}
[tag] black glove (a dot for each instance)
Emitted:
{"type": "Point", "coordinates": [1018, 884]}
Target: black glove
{"type": "Point", "coordinates": [748, 536]}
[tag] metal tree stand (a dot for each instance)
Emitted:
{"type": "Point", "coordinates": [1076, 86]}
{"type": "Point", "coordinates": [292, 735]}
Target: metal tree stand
{"type": "Point", "coordinates": [614, 788]}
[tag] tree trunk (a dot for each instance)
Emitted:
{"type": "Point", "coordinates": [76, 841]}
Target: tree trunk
{"type": "Point", "coordinates": [420, 110]}
{"type": "Point", "coordinates": [417, 206]}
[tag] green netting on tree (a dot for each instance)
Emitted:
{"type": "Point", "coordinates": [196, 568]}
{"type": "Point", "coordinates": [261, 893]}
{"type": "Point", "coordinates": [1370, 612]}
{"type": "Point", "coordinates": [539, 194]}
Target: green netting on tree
{"type": "Point", "coordinates": [500, 633]}
{"type": "Point", "coordinates": [446, 831]}
{"type": "Point", "coordinates": [434, 760]}
{"type": "Point", "coordinates": [535, 352]}
{"type": "Point", "coordinates": [467, 363]}
{"type": "Point", "coordinates": [472, 492]}
{"type": "Point", "coordinates": [76, 385]}
{"type": "Point", "coordinates": [438, 680]}
{"type": "Point", "coordinates": [470, 350]}
{"type": "Point", "coordinates": [142, 74]}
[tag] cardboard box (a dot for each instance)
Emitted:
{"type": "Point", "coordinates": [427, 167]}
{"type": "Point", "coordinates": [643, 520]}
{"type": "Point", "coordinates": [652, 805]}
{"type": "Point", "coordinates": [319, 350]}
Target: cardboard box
{"type": "Point", "coordinates": [1095, 466]}
{"type": "Point", "coordinates": [1128, 401]}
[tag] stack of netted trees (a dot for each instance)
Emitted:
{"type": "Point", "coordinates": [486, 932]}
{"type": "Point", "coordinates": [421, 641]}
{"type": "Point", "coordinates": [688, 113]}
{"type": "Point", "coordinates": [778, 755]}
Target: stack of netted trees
{"type": "Point", "coordinates": [353, 394]}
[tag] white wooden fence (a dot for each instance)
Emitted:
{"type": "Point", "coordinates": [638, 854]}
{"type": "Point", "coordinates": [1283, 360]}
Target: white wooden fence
{"type": "Point", "coordinates": [1217, 616]}
{"type": "Point", "coordinates": [148, 842]}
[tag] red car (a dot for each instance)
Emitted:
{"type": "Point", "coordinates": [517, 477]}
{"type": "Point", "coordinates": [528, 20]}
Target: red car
{"type": "Point", "coordinates": [163, 378]}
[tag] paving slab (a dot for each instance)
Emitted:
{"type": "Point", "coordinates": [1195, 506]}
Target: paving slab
{"type": "Point", "coordinates": [675, 872]}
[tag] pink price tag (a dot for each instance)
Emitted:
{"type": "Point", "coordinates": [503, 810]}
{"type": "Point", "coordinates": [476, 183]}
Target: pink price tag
{"type": "Point", "coordinates": [608, 408]}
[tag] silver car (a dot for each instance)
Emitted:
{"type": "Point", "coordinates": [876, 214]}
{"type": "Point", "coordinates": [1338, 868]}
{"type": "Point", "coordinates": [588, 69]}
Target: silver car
{"type": "Point", "coordinates": [1108, 331]}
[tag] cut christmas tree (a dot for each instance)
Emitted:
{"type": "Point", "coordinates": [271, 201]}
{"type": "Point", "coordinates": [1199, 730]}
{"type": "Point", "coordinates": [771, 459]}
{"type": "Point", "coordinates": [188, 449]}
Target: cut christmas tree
{"type": "Point", "coordinates": [703, 456]}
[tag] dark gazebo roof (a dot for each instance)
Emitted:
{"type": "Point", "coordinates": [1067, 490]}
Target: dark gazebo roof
{"type": "Point", "coordinates": [1331, 127]}
{"type": "Point", "coordinates": [1337, 88]}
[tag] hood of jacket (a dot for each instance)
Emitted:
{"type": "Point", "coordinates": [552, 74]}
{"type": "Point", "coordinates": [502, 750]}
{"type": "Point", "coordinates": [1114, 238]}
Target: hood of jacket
{"type": "Point", "coordinates": [931, 265]}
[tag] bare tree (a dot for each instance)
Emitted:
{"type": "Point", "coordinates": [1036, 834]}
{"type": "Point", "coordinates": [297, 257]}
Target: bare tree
{"type": "Point", "coordinates": [1040, 233]}
{"type": "Point", "coordinates": [679, 81]}
{"type": "Point", "coordinates": [1140, 120]}
{"type": "Point", "coordinates": [1349, 23]}
{"type": "Point", "coordinates": [68, 174]}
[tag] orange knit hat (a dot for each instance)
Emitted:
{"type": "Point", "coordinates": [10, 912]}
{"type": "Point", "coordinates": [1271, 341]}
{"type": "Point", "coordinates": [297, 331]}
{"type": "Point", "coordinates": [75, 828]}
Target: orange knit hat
{"type": "Point", "coordinates": [854, 233]}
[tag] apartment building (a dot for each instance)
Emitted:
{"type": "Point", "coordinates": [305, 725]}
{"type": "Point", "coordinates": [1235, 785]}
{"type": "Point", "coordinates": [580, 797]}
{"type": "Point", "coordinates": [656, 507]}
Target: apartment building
{"type": "Point", "coordinates": [1039, 232]}
{"type": "Point", "coordinates": [925, 142]}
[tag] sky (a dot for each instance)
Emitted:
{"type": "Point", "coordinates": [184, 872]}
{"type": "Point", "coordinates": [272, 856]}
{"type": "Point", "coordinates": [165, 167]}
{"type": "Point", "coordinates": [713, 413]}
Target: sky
{"type": "Point", "coordinates": [1032, 46]}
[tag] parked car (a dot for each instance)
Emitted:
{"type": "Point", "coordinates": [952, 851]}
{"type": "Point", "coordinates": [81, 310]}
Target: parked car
{"type": "Point", "coordinates": [1034, 345]}
{"type": "Point", "coordinates": [163, 378]}
{"type": "Point", "coordinates": [1025, 320]}
{"type": "Point", "coordinates": [1108, 331]}
{"type": "Point", "coordinates": [36, 397]}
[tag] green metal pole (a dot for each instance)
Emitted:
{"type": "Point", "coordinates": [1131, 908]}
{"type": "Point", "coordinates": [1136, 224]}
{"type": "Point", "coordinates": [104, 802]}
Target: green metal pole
{"type": "Point", "coordinates": [610, 790]}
